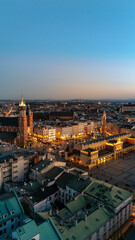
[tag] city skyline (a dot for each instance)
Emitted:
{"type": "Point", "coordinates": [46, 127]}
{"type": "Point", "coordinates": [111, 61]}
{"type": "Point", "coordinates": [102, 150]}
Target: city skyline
{"type": "Point", "coordinates": [67, 49]}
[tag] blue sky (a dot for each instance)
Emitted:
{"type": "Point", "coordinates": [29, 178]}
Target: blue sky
{"type": "Point", "coordinates": [67, 49]}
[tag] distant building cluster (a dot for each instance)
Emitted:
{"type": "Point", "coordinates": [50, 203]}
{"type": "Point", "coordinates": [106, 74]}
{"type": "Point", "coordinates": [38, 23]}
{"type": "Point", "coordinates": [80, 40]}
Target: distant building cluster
{"type": "Point", "coordinates": [48, 155]}
{"type": "Point", "coordinates": [63, 131]}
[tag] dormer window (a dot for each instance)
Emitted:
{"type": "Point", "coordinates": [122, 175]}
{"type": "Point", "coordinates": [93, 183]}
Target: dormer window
{"type": "Point", "coordinates": [5, 216]}
{"type": "Point", "coordinates": [12, 212]}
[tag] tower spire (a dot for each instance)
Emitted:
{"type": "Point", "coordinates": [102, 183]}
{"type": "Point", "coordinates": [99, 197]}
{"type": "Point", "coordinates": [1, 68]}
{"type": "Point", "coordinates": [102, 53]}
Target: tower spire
{"type": "Point", "coordinates": [22, 104]}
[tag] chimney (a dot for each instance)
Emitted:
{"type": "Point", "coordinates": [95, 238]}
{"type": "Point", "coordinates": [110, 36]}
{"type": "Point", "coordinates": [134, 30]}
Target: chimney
{"type": "Point", "coordinates": [111, 188]}
{"type": "Point", "coordinates": [75, 221]}
{"type": "Point", "coordinates": [85, 216]}
{"type": "Point", "coordinates": [50, 212]}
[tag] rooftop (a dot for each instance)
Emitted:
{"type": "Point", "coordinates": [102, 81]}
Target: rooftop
{"type": "Point", "coordinates": [52, 173]}
{"type": "Point", "coordinates": [80, 203]}
{"type": "Point", "coordinates": [9, 121]}
{"type": "Point", "coordinates": [72, 181]}
{"type": "Point", "coordinates": [40, 195]}
{"type": "Point", "coordinates": [107, 193]}
{"type": "Point", "coordinates": [46, 230]}
{"type": "Point", "coordinates": [84, 228]}
{"type": "Point", "coordinates": [42, 164]}
{"type": "Point", "coordinates": [10, 206]}
{"type": "Point", "coordinates": [8, 135]}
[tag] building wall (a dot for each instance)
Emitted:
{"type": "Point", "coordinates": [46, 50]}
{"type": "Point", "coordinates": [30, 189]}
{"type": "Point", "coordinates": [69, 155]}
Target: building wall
{"type": "Point", "coordinates": [23, 133]}
{"type": "Point", "coordinates": [20, 169]}
{"type": "Point", "coordinates": [128, 108]}
{"type": "Point", "coordinates": [75, 130]}
{"type": "Point", "coordinates": [122, 214]}
{"type": "Point", "coordinates": [45, 205]}
{"type": "Point", "coordinates": [8, 129]}
{"type": "Point", "coordinates": [30, 123]}
{"type": "Point", "coordinates": [66, 132]}
{"type": "Point", "coordinates": [8, 226]}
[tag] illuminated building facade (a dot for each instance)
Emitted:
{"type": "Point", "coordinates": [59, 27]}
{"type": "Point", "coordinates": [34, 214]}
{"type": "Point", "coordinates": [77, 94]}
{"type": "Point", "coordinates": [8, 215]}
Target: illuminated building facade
{"type": "Point", "coordinates": [87, 156]}
{"type": "Point", "coordinates": [130, 107]}
{"type": "Point", "coordinates": [115, 145]}
{"type": "Point", "coordinates": [99, 151]}
{"type": "Point", "coordinates": [45, 133]}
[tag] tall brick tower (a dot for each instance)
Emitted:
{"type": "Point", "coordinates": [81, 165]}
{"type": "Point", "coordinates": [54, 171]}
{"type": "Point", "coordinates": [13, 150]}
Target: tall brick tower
{"type": "Point", "coordinates": [22, 122]}
{"type": "Point", "coordinates": [30, 121]}
{"type": "Point", "coordinates": [103, 123]}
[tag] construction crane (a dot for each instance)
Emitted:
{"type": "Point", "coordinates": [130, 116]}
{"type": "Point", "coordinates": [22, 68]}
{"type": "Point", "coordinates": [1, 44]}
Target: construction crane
{"type": "Point", "coordinates": [8, 113]}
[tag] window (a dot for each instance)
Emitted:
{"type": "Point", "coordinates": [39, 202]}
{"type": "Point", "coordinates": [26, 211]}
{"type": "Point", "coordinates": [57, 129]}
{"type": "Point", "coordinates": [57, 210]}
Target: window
{"type": "Point", "coordinates": [12, 219]}
{"type": "Point", "coordinates": [14, 166]}
{"type": "Point", "coordinates": [5, 230]}
{"type": "Point", "coordinates": [12, 226]}
{"type": "Point", "coordinates": [0, 232]}
{"type": "Point", "coordinates": [16, 177]}
{"type": "Point", "coordinates": [18, 216]}
{"type": "Point", "coordinates": [19, 223]}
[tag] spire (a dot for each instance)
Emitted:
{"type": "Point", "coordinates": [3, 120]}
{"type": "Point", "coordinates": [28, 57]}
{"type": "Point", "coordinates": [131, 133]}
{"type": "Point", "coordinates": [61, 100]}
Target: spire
{"type": "Point", "coordinates": [22, 104]}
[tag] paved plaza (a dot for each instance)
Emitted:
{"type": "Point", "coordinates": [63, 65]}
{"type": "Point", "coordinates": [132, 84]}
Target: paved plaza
{"type": "Point", "coordinates": [119, 172]}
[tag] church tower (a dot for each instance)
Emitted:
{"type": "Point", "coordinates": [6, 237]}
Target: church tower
{"type": "Point", "coordinates": [103, 123]}
{"type": "Point", "coordinates": [30, 121]}
{"type": "Point", "coordinates": [22, 121]}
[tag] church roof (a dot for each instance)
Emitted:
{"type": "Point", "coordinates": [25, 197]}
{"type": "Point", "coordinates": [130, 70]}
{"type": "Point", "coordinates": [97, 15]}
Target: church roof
{"type": "Point", "coordinates": [9, 121]}
{"type": "Point", "coordinates": [8, 135]}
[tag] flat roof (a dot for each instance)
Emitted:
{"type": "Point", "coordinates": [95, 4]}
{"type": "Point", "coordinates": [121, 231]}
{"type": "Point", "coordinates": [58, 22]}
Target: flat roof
{"type": "Point", "coordinates": [107, 193]}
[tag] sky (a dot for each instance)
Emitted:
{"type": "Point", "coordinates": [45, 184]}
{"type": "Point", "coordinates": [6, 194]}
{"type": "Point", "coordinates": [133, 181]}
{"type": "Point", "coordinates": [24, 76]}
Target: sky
{"type": "Point", "coordinates": [66, 49]}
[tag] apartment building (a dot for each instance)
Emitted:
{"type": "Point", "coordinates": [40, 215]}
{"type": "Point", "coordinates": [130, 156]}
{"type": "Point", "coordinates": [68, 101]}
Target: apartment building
{"type": "Point", "coordinates": [45, 133]}
{"type": "Point", "coordinates": [13, 168]}
{"type": "Point", "coordinates": [11, 213]}
{"type": "Point", "coordinates": [98, 213]}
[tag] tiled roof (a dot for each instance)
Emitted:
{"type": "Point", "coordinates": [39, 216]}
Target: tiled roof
{"type": "Point", "coordinates": [41, 195]}
{"type": "Point", "coordinates": [52, 173]}
{"type": "Point", "coordinates": [72, 181]}
{"type": "Point", "coordinates": [61, 113]}
{"type": "Point", "coordinates": [8, 135]}
{"type": "Point", "coordinates": [9, 121]}
{"type": "Point", "coordinates": [9, 206]}
{"type": "Point", "coordinates": [46, 231]}
{"type": "Point", "coordinates": [41, 165]}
